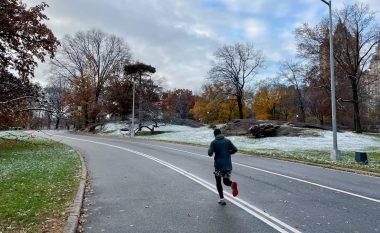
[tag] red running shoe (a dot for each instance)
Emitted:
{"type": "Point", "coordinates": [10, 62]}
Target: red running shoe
{"type": "Point", "coordinates": [235, 190]}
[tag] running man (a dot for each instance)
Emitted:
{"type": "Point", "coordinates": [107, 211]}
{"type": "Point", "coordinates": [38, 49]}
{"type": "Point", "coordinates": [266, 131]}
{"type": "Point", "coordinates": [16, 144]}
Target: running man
{"type": "Point", "coordinates": [223, 148]}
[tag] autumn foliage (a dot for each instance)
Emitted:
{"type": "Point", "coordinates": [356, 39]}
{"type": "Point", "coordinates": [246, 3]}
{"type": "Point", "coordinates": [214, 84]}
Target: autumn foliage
{"type": "Point", "coordinates": [213, 106]}
{"type": "Point", "coordinates": [274, 102]}
{"type": "Point", "coordinates": [178, 103]}
{"type": "Point", "coordinates": [24, 37]}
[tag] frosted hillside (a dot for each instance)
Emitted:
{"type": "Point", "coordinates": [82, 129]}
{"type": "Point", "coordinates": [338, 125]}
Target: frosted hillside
{"type": "Point", "coordinates": [347, 141]}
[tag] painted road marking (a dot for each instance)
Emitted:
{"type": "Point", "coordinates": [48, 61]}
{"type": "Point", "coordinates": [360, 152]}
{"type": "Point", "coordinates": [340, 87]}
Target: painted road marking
{"type": "Point", "coordinates": [269, 172]}
{"type": "Point", "coordinates": [254, 211]}
{"type": "Point", "coordinates": [275, 173]}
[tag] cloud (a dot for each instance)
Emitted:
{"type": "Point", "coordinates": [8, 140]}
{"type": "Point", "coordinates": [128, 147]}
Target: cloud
{"type": "Point", "coordinates": [162, 34]}
{"type": "Point", "coordinates": [179, 37]}
{"type": "Point", "coordinates": [255, 29]}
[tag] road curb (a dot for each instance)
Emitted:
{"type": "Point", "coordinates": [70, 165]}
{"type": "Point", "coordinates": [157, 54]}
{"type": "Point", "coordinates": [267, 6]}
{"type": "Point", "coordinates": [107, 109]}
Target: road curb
{"type": "Point", "coordinates": [73, 219]}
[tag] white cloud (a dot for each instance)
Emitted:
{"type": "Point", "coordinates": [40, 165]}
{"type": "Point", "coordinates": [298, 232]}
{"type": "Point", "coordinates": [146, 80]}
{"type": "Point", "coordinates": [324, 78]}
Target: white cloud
{"type": "Point", "coordinates": [179, 37]}
{"type": "Point", "coordinates": [245, 5]}
{"type": "Point", "coordinates": [255, 29]}
{"type": "Point", "coordinates": [198, 30]}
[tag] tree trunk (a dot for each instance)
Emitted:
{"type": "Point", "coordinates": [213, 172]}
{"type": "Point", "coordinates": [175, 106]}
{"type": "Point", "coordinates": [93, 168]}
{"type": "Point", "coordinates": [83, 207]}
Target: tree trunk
{"type": "Point", "coordinates": [303, 115]}
{"type": "Point", "coordinates": [57, 123]}
{"type": "Point", "coordinates": [274, 112]}
{"type": "Point", "coordinates": [301, 104]}
{"type": "Point", "coordinates": [355, 96]}
{"type": "Point", "coordinates": [230, 114]}
{"type": "Point", "coordinates": [86, 117]}
{"type": "Point", "coordinates": [124, 113]}
{"type": "Point", "coordinates": [49, 121]}
{"type": "Point", "coordinates": [321, 120]}
{"type": "Point", "coordinates": [240, 106]}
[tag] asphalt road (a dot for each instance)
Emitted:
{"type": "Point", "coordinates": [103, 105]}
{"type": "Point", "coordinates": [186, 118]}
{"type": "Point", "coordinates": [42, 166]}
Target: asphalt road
{"type": "Point", "coordinates": [150, 186]}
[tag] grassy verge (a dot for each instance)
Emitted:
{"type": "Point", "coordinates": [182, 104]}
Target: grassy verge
{"type": "Point", "coordinates": [312, 157]}
{"type": "Point", "coordinates": [323, 158]}
{"type": "Point", "coordinates": [39, 180]}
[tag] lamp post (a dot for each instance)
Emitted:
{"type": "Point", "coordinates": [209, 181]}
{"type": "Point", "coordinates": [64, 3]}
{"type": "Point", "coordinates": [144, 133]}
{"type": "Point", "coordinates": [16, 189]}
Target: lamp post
{"type": "Point", "coordinates": [335, 153]}
{"type": "Point", "coordinates": [133, 111]}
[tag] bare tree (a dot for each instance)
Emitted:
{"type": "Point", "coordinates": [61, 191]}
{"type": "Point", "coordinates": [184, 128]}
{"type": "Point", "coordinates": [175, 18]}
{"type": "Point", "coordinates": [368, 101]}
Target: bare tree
{"type": "Point", "coordinates": [295, 74]}
{"type": "Point", "coordinates": [235, 65]}
{"type": "Point", "coordinates": [92, 55]}
{"type": "Point", "coordinates": [355, 37]}
{"type": "Point", "coordinates": [56, 103]}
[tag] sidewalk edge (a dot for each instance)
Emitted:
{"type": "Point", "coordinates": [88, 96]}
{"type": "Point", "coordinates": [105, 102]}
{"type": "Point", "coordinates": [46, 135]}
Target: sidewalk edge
{"type": "Point", "coordinates": [72, 221]}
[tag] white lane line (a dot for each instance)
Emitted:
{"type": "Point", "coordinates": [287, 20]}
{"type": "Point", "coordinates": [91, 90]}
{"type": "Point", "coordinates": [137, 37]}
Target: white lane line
{"type": "Point", "coordinates": [254, 211]}
{"type": "Point", "coordinates": [279, 174]}
{"type": "Point", "coordinates": [312, 183]}
{"type": "Point", "coordinates": [265, 217]}
{"type": "Point", "coordinates": [270, 172]}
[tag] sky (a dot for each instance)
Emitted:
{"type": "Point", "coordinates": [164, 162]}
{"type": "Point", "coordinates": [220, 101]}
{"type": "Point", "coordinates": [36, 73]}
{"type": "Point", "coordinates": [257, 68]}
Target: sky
{"type": "Point", "coordinates": [179, 37]}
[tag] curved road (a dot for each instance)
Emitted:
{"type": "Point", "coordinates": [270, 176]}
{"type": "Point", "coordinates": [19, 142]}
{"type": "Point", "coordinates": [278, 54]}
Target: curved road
{"type": "Point", "coordinates": [151, 186]}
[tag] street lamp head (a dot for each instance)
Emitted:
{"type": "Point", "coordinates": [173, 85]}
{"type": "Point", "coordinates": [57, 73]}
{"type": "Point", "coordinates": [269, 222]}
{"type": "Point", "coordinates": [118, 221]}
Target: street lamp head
{"type": "Point", "coordinates": [326, 2]}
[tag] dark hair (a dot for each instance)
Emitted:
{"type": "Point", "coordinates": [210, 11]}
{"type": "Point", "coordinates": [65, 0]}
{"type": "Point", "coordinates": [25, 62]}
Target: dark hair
{"type": "Point", "coordinates": [217, 132]}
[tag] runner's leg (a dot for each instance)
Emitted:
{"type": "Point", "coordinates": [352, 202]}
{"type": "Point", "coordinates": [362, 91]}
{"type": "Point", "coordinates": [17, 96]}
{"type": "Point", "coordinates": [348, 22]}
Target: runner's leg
{"type": "Point", "coordinates": [227, 181]}
{"type": "Point", "coordinates": [219, 186]}
{"type": "Point", "coordinates": [233, 185]}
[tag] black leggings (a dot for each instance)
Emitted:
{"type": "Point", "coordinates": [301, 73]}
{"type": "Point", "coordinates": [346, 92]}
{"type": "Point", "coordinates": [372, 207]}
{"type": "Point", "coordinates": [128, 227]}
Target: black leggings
{"type": "Point", "coordinates": [219, 186]}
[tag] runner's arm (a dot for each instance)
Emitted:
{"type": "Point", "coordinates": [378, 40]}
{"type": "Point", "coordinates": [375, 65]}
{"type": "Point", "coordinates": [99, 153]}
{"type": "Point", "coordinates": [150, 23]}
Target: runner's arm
{"type": "Point", "coordinates": [233, 149]}
{"type": "Point", "coordinates": [211, 149]}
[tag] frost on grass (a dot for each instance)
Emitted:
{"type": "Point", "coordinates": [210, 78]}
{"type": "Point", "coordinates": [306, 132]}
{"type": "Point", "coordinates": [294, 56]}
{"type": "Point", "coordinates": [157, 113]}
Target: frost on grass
{"type": "Point", "coordinates": [22, 135]}
{"type": "Point", "coordinates": [39, 177]}
{"type": "Point", "coordinates": [13, 135]}
{"type": "Point", "coordinates": [113, 128]}
{"type": "Point", "coordinates": [48, 161]}
{"type": "Point", "coordinates": [347, 141]}
{"type": "Point", "coordinates": [319, 140]}
{"type": "Point", "coordinates": [314, 146]}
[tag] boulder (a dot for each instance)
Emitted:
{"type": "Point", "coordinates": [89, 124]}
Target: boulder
{"type": "Point", "coordinates": [257, 129]}
{"type": "Point", "coordinates": [264, 130]}
{"type": "Point", "coordinates": [239, 127]}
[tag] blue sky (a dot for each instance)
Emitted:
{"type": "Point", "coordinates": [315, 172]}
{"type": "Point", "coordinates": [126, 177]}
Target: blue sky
{"type": "Point", "coordinates": [178, 37]}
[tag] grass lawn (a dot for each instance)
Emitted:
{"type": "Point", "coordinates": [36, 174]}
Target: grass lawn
{"type": "Point", "coordinates": [304, 149]}
{"type": "Point", "coordinates": [313, 157]}
{"type": "Point", "coordinates": [39, 180]}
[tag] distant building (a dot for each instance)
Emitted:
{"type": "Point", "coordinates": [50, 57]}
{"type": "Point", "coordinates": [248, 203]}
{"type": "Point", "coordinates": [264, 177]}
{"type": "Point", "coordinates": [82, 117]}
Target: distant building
{"type": "Point", "coordinates": [372, 91]}
{"type": "Point", "coordinates": [373, 79]}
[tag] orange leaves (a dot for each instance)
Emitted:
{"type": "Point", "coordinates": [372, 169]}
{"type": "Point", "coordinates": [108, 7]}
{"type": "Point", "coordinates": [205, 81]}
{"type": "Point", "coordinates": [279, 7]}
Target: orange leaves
{"type": "Point", "coordinates": [24, 37]}
{"type": "Point", "coordinates": [263, 104]}
{"type": "Point", "coordinates": [178, 103]}
{"type": "Point", "coordinates": [274, 102]}
{"type": "Point", "coordinates": [214, 107]}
